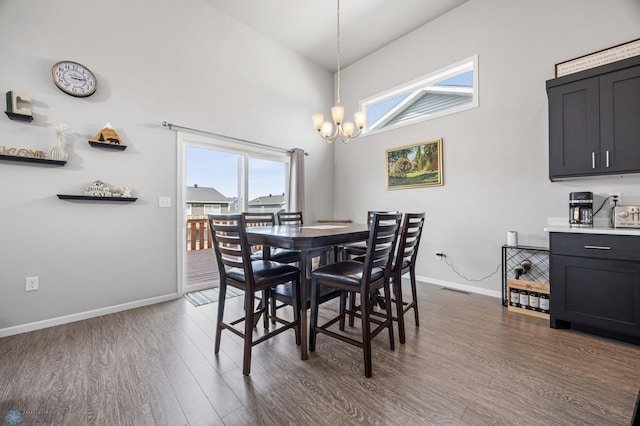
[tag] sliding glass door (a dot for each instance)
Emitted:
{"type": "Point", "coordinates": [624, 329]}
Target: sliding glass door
{"type": "Point", "coordinates": [219, 178]}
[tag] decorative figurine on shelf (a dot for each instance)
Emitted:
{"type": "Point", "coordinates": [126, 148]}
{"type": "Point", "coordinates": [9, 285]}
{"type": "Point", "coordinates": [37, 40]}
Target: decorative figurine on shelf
{"type": "Point", "coordinates": [126, 191]}
{"type": "Point", "coordinates": [107, 136]}
{"type": "Point", "coordinates": [97, 189]}
{"type": "Point", "coordinates": [14, 110]}
{"type": "Point", "coordinates": [58, 152]}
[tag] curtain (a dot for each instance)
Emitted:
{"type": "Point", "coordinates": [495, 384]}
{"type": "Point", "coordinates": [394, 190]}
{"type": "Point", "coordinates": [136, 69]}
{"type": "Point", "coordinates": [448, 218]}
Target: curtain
{"type": "Point", "coordinates": [296, 181]}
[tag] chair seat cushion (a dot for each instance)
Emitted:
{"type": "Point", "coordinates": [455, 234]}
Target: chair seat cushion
{"type": "Point", "coordinates": [263, 270]}
{"type": "Point", "coordinates": [279, 255]}
{"type": "Point", "coordinates": [326, 293]}
{"type": "Point", "coordinates": [348, 272]}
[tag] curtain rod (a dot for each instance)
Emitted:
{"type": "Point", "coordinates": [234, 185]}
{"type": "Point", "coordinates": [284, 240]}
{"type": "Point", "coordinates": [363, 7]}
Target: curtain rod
{"type": "Point", "coordinates": [231, 138]}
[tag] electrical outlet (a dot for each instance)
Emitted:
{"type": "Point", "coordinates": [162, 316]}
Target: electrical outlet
{"type": "Point", "coordinates": [618, 202]}
{"type": "Point", "coordinates": [31, 283]}
{"type": "Point", "coordinates": [439, 255]}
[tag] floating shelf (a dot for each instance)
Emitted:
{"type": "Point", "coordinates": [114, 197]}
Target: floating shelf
{"type": "Point", "coordinates": [107, 145]}
{"type": "Point", "coordinates": [19, 117]}
{"type": "Point", "coordinates": [89, 198]}
{"type": "Point", "coordinates": [32, 160]}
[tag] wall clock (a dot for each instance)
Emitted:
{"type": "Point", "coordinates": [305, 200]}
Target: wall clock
{"type": "Point", "coordinates": [74, 79]}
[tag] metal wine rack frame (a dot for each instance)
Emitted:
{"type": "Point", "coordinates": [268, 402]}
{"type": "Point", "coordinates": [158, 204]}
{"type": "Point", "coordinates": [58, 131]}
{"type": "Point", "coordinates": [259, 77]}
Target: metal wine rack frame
{"type": "Point", "coordinates": [512, 258]}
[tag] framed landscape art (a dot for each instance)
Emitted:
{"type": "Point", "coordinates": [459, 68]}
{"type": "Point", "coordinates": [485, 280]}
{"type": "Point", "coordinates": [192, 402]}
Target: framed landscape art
{"type": "Point", "coordinates": [415, 165]}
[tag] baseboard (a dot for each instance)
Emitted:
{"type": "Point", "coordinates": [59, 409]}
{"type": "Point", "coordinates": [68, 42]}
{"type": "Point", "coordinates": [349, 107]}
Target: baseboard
{"type": "Point", "coordinates": [463, 287]}
{"type": "Point", "coordinates": [24, 328]}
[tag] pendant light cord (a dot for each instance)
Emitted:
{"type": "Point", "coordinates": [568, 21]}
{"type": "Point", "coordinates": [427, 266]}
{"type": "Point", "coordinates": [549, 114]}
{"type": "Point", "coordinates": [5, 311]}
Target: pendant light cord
{"type": "Point", "coordinates": [338, 51]}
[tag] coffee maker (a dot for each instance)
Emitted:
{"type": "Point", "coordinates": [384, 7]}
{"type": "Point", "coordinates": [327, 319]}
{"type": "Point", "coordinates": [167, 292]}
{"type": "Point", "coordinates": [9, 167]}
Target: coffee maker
{"type": "Point", "coordinates": [581, 209]}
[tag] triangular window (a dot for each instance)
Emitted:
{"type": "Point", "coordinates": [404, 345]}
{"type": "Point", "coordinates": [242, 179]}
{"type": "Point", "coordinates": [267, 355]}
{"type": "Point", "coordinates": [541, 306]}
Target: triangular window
{"type": "Point", "coordinates": [451, 89]}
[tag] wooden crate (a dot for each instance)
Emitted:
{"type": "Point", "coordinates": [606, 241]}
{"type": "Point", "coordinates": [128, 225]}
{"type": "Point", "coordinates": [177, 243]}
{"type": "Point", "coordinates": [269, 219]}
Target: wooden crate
{"type": "Point", "coordinates": [529, 286]}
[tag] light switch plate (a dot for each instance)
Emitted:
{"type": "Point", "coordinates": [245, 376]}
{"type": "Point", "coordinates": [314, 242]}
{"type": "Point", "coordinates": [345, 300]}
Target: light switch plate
{"type": "Point", "coordinates": [164, 201]}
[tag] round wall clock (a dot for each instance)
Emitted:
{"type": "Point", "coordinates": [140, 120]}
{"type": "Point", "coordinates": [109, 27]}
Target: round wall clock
{"type": "Point", "coordinates": [74, 79]}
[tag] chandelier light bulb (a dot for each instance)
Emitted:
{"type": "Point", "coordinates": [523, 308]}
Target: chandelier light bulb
{"type": "Point", "coordinates": [317, 119]}
{"type": "Point", "coordinates": [348, 129]}
{"type": "Point", "coordinates": [337, 113]}
{"type": "Point", "coordinates": [326, 130]}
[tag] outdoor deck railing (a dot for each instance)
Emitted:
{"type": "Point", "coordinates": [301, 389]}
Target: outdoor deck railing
{"type": "Point", "coordinates": [198, 235]}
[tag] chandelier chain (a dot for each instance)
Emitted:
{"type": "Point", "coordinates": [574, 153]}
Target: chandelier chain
{"type": "Point", "coordinates": [338, 50]}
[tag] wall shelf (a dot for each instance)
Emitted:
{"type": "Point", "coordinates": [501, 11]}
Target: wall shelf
{"type": "Point", "coordinates": [90, 198]}
{"type": "Point", "coordinates": [107, 145]}
{"type": "Point", "coordinates": [32, 160]}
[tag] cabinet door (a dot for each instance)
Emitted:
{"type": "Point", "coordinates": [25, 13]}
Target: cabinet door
{"type": "Point", "coordinates": [574, 129]}
{"type": "Point", "coordinates": [603, 294]}
{"type": "Point", "coordinates": [620, 120]}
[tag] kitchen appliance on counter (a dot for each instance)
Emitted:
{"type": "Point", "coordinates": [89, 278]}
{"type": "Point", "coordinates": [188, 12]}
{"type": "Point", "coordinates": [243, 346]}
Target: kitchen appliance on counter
{"type": "Point", "coordinates": [581, 209]}
{"type": "Point", "coordinates": [626, 217]}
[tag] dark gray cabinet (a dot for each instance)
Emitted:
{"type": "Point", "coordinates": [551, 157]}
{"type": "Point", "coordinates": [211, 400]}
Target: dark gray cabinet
{"type": "Point", "coordinates": [593, 121]}
{"type": "Point", "coordinates": [595, 282]}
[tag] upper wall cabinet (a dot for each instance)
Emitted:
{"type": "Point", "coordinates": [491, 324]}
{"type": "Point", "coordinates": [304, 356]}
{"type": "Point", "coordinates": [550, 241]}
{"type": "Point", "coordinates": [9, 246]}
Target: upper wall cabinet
{"type": "Point", "coordinates": [594, 121]}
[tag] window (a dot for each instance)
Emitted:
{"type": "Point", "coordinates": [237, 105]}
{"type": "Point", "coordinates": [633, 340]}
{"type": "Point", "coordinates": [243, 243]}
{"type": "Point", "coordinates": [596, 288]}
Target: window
{"type": "Point", "coordinates": [446, 91]}
{"type": "Point", "coordinates": [227, 181]}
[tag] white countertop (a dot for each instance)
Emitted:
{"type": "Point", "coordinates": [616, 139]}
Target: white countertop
{"type": "Point", "coordinates": [593, 230]}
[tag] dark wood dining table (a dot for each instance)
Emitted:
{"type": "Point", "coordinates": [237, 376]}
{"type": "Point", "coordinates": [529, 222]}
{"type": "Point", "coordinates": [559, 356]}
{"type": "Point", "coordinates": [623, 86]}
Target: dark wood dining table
{"type": "Point", "coordinates": [310, 240]}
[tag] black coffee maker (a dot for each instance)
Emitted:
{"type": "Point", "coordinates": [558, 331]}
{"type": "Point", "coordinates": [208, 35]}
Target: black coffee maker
{"type": "Point", "coordinates": [581, 209]}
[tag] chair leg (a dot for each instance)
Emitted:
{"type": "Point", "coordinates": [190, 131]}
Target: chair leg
{"type": "Point", "coordinates": [343, 308]}
{"type": "Point", "coordinates": [273, 310]}
{"type": "Point", "coordinates": [222, 293]}
{"type": "Point", "coordinates": [397, 292]}
{"type": "Point", "coordinates": [389, 309]}
{"type": "Point", "coordinates": [315, 290]}
{"type": "Point", "coordinates": [352, 307]}
{"type": "Point", "coordinates": [414, 293]}
{"type": "Point", "coordinates": [249, 306]}
{"type": "Point", "coordinates": [266, 296]}
{"type": "Point", "coordinates": [297, 307]}
{"type": "Point", "coordinates": [366, 334]}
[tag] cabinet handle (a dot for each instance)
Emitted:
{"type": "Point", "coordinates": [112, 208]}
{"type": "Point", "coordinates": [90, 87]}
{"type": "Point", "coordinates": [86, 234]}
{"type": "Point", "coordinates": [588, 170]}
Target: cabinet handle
{"type": "Point", "coordinates": [593, 160]}
{"type": "Point", "coordinates": [598, 247]}
{"type": "Point", "coordinates": [607, 158]}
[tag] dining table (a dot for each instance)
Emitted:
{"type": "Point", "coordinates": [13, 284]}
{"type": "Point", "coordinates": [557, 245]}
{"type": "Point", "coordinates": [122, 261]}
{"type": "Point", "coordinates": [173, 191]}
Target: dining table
{"type": "Point", "coordinates": [311, 240]}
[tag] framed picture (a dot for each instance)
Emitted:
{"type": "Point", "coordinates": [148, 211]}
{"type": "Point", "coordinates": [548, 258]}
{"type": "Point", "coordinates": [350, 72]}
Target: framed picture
{"type": "Point", "coordinates": [415, 165]}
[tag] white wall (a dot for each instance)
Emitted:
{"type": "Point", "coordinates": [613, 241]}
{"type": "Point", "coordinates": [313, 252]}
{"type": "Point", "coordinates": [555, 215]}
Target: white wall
{"type": "Point", "coordinates": [495, 156]}
{"type": "Point", "coordinates": [155, 60]}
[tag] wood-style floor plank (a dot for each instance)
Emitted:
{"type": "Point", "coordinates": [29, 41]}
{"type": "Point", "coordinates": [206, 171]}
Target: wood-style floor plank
{"type": "Point", "coordinates": [469, 363]}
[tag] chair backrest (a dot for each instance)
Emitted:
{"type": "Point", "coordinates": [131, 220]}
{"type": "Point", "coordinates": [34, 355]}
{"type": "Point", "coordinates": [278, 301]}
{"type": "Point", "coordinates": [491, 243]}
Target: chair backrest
{"type": "Point", "coordinates": [409, 240]}
{"type": "Point", "coordinates": [289, 218]}
{"type": "Point", "coordinates": [229, 235]}
{"type": "Point", "coordinates": [381, 244]}
{"type": "Point", "coordinates": [259, 219]}
{"type": "Point", "coordinates": [371, 212]}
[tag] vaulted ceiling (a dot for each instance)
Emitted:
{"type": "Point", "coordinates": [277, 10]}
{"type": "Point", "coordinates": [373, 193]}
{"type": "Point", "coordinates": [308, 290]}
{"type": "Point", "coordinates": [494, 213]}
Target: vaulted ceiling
{"type": "Point", "coordinates": [309, 26]}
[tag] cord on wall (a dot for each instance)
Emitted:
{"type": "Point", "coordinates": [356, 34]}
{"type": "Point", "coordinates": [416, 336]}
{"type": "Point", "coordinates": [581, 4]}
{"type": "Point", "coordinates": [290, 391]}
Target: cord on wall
{"type": "Point", "coordinates": [446, 260]}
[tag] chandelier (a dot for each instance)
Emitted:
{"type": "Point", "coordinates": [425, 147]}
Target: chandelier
{"type": "Point", "coordinates": [343, 130]}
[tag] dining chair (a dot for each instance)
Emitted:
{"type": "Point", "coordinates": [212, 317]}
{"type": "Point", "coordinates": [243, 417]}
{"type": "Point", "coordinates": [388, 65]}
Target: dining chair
{"type": "Point", "coordinates": [357, 251]}
{"type": "Point", "coordinates": [403, 262]}
{"type": "Point", "coordinates": [363, 278]}
{"type": "Point", "coordinates": [238, 270]}
{"type": "Point", "coordinates": [278, 254]}
{"type": "Point", "coordinates": [289, 218]}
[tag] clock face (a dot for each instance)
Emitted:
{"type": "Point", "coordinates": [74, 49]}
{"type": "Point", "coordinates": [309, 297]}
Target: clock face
{"type": "Point", "coordinates": [74, 79]}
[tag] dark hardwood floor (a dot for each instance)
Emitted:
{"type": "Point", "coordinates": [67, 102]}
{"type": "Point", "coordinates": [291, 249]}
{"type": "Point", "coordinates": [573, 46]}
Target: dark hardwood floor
{"type": "Point", "coordinates": [470, 363]}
